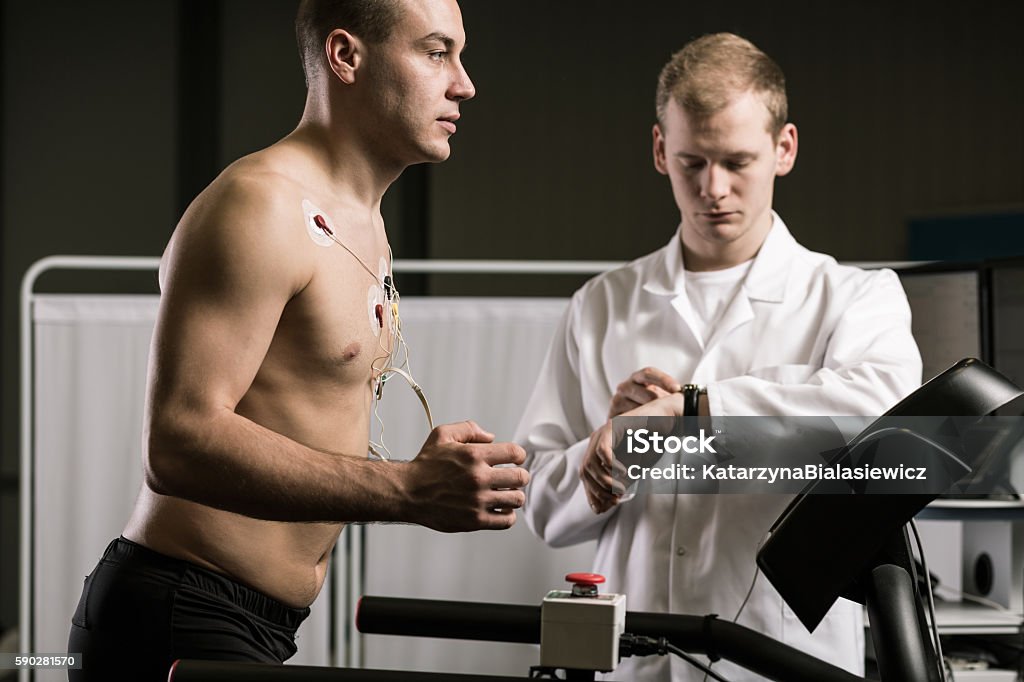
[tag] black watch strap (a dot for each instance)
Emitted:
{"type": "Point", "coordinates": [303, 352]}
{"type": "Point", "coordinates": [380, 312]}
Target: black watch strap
{"type": "Point", "coordinates": [691, 399]}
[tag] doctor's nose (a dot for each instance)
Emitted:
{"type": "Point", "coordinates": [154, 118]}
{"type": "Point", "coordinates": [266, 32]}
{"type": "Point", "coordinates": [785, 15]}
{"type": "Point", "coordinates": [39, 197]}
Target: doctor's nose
{"type": "Point", "coordinates": [714, 183]}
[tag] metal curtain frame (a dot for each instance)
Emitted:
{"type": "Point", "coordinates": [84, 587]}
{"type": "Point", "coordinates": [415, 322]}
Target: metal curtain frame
{"type": "Point", "coordinates": [113, 263]}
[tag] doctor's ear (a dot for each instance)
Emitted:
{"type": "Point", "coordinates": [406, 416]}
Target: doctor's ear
{"type": "Point", "coordinates": [785, 150]}
{"type": "Point", "coordinates": [659, 149]}
{"type": "Point", "coordinates": [344, 54]}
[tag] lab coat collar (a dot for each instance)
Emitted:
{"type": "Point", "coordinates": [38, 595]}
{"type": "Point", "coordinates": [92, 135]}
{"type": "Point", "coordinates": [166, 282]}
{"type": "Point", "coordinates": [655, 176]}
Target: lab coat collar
{"type": "Point", "coordinates": [766, 280]}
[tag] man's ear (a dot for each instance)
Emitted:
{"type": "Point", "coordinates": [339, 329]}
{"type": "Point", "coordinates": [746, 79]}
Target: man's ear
{"type": "Point", "coordinates": [785, 150]}
{"type": "Point", "coordinates": [344, 54]}
{"type": "Point", "coordinates": [659, 149]}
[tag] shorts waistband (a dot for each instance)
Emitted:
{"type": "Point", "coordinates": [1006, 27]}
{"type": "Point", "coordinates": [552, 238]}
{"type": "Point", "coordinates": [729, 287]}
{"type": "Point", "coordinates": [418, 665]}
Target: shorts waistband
{"type": "Point", "coordinates": [132, 554]}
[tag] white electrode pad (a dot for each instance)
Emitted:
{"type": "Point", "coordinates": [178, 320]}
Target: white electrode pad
{"type": "Point", "coordinates": [318, 225]}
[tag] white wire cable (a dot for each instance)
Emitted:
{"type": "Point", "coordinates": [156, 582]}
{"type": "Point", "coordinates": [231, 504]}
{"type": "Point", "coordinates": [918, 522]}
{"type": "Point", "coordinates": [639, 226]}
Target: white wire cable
{"type": "Point", "coordinates": [396, 358]}
{"type": "Point", "coordinates": [757, 572]}
{"type": "Point", "coordinates": [750, 590]}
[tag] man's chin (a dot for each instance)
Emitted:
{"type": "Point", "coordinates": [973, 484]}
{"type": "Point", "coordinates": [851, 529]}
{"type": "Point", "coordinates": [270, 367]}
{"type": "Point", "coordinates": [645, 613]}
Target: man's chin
{"type": "Point", "coordinates": [437, 153]}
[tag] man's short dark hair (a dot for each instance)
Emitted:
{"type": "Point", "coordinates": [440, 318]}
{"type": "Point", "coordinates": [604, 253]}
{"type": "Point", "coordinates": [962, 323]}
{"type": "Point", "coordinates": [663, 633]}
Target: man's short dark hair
{"type": "Point", "coordinates": [369, 20]}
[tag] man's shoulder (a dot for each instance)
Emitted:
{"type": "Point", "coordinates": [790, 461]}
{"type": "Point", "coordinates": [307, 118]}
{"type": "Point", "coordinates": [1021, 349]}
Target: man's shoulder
{"type": "Point", "coordinates": [255, 198]}
{"type": "Point", "coordinates": [251, 213]}
{"type": "Point", "coordinates": [258, 181]}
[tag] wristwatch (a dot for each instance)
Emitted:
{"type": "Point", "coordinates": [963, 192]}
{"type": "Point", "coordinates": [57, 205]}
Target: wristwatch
{"type": "Point", "coordinates": [691, 399]}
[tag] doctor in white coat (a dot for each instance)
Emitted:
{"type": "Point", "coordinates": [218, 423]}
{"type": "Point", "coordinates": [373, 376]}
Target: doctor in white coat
{"type": "Point", "coordinates": [735, 305]}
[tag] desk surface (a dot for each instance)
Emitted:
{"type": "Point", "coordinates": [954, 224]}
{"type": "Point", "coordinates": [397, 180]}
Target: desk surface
{"type": "Point", "coordinates": [965, 618]}
{"type": "Point", "coordinates": [973, 510]}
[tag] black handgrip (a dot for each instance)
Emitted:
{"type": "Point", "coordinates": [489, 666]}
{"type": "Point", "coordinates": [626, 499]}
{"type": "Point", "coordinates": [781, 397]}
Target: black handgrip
{"type": "Point", "coordinates": [449, 619]}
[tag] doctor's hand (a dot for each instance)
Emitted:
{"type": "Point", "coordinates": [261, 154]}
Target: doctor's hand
{"type": "Point", "coordinates": [604, 476]}
{"type": "Point", "coordinates": [601, 473]}
{"type": "Point", "coordinates": [642, 386]}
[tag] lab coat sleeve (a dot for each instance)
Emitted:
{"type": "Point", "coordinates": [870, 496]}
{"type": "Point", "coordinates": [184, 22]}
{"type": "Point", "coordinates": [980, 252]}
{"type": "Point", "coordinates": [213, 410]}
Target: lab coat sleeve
{"type": "Point", "coordinates": [555, 433]}
{"type": "Point", "coordinates": [871, 362]}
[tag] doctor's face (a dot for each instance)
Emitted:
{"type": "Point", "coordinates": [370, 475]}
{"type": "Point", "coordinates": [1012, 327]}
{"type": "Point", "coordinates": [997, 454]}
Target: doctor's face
{"type": "Point", "coordinates": [723, 169]}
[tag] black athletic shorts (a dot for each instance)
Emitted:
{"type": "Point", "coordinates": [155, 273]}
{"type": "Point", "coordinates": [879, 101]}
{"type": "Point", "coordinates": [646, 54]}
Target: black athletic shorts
{"type": "Point", "coordinates": [141, 610]}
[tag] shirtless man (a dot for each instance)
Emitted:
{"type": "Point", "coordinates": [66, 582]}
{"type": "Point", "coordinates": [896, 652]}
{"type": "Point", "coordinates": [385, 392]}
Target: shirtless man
{"type": "Point", "coordinates": [266, 356]}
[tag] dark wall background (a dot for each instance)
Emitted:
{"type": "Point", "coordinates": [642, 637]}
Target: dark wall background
{"type": "Point", "coordinates": [115, 112]}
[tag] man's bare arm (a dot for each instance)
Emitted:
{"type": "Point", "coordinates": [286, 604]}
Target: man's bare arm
{"type": "Point", "coordinates": [227, 277]}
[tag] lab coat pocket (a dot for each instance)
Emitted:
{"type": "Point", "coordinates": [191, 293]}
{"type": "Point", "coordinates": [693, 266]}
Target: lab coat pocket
{"type": "Point", "coordinates": [785, 374]}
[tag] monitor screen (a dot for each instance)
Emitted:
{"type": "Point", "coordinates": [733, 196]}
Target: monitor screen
{"type": "Point", "coordinates": [947, 315]}
{"type": "Point", "coordinates": [1007, 277]}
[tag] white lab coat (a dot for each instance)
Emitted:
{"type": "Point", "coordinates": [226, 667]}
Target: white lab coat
{"type": "Point", "coordinates": [804, 336]}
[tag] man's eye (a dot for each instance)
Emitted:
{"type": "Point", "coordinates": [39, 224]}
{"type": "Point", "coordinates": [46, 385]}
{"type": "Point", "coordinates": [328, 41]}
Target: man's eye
{"type": "Point", "coordinates": [737, 165]}
{"type": "Point", "coordinates": [693, 165]}
{"type": "Point", "coordinates": [439, 56]}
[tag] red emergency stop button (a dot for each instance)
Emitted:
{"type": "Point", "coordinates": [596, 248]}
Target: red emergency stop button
{"type": "Point", "coordinates": [584, 584]}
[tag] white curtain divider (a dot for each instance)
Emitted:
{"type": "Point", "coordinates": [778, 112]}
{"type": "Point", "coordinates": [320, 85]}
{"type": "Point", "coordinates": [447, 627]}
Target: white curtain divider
{"type": "Point", "coordinates": [88, 402]}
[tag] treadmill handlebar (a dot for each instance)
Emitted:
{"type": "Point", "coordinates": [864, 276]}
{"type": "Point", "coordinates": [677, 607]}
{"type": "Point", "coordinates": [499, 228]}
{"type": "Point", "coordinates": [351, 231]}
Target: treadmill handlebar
{"type": "Point", "coordinates": [483, 621]}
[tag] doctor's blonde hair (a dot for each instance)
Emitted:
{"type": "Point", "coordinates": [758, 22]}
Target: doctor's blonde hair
{"type": "Point", "coordinates": [708, 72]}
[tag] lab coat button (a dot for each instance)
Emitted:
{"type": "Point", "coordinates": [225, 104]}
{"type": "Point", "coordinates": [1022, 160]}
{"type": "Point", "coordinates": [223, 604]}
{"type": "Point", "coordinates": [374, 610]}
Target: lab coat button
{"type": "Point", "coordinates": [680, 550]}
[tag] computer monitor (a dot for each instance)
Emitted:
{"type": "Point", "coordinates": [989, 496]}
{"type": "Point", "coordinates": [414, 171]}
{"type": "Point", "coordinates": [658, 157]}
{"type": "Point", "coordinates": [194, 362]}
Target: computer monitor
{"type": "Point", "coordinates": [1006, 316]}
{"type": "Point", "coordinates": [948, 302]}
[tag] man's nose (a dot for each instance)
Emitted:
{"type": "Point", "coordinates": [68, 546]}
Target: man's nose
{"type": "Point", "coordinates": [462, 87]}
